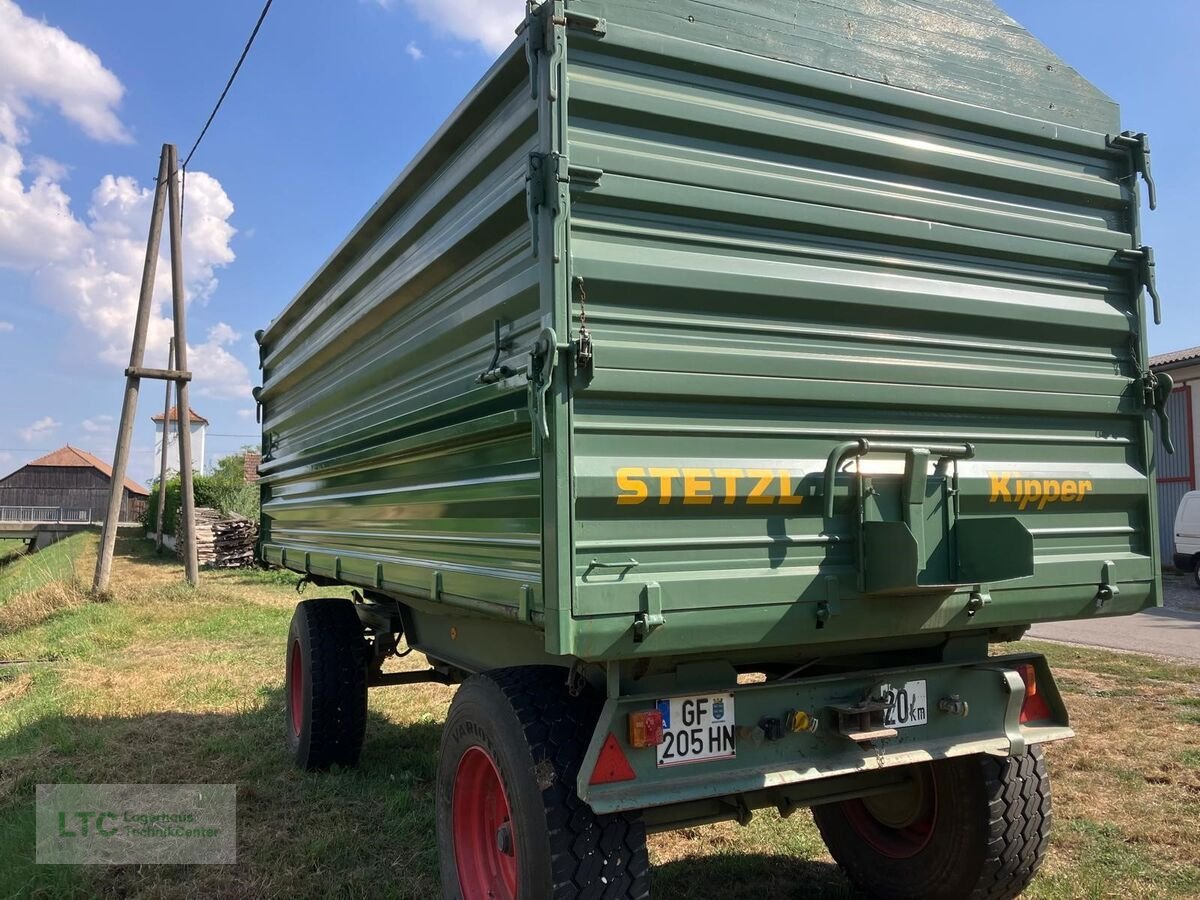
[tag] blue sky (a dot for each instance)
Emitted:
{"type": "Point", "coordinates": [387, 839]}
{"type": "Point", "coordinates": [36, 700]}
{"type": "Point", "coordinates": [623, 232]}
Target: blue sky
{"type": "Point", "coordinates": [335, 98]}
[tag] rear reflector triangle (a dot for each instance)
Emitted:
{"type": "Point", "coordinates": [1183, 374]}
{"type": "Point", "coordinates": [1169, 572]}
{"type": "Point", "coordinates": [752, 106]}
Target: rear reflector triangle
{"type": "Point", "coordinates": [612, 764]}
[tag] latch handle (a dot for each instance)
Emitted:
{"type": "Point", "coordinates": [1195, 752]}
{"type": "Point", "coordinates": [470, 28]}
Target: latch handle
{"type": "Point", "coordinates": [1138, 143]}
{"type": "Point", "coordinates": [1158, 386]}
{"type": "Point", "coordinates": [861, 447]}
{"type": "Point", "coordinates": [1143, 258]}
{"type": "Point", "coordinates": [542, 358]}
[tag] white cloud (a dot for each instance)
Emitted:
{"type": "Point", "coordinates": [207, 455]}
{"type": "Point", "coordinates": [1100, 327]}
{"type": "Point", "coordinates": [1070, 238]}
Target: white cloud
{"type": "Point", "coordinates": [215, 371]}
{"type": "Point", "coordinates": [245, 414]}
{"type": "Point", "coordinates": [414, 51]}
{"type": "Point", "coordinates": [489, 23]}
{"type": "Point", "coordinates": [6, 327]}
{"type": "Point", "coordinates": [39, 64]}
{"type": "Point", "coordinates": [89, 267]}
{"type": "Point", "coordinates": [98, 286]}
{"type": "Point", "coordinates": [97, 425]}
{"type": "Point", "coordinates": [42, 428]}
{"type": "Point", "coordinates": [36, 223]}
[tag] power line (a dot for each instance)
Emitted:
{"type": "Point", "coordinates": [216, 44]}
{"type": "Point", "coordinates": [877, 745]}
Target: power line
{"type": "Point", "coordinates": [212, 115]}
{"type": "Point", "coordinates": [241, 59]}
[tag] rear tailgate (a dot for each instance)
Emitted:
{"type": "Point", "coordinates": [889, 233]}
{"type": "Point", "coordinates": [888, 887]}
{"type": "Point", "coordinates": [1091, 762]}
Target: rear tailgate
{"type": "Point", "coordinates": [789, 267]}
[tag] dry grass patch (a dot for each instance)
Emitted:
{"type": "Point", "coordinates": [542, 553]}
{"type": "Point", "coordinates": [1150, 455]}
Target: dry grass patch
{"type": "Point", "coordinates": [171, 684]}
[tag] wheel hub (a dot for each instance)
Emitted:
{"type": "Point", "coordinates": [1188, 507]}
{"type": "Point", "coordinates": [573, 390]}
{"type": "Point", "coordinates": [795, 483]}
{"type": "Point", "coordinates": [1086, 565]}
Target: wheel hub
{"type": "Point", "coordinates": [484, 840]}
{"type": "Point", "coordinates": [296, 694]}
{"type": "Point", "coordinates": [898, 824]}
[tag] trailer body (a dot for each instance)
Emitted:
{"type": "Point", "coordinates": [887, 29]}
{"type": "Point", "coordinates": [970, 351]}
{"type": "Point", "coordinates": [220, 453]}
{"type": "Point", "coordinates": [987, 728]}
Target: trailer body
{"type": "Point", "coordinates": [707, 339]}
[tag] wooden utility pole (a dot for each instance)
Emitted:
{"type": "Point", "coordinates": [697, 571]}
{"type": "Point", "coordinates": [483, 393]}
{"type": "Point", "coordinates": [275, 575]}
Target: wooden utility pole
{"type": "Point", "coordinates": [167, 184]}
{"type": "Point", "coordinates": [183, 416]}
{"type": "Point", "coordinates": [162, 455]}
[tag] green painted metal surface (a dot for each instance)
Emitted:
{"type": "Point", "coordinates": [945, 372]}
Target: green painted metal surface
{"type": "Point", "coordinates": [863, 304]}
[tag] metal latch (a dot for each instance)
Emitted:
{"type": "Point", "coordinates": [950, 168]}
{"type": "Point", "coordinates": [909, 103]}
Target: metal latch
{"type": "Point", "coordinates": [585, 361]}
{"type": "Point", "coordinates": [652, 618]}
{"type": "Point", "coordinates": [542, 358]}
{"type": "Point", "coordinates": [1108, 589]}
{"type": "Point", "coordinates": [1143, 259]}
{"type": "Point", "coordinates": [1138, 144]}
{"type": "Point", "coordinates": [494, 371]}
{"type": "Point", "coordinates": [1156, 390]}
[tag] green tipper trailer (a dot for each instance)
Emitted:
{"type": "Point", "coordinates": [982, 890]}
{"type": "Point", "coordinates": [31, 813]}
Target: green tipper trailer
{"type": "Point", "coordinates": [719, 383]}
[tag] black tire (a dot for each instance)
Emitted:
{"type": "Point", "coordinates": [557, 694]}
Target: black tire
{"type": "Point", "coordinates": [535, 735]}
{"type": "Point", "coordinates": [1196, 571]}
{"type": "Point", "coordinates": [326, 684]}
{"type": "Point", "coordinates": [989, 830]}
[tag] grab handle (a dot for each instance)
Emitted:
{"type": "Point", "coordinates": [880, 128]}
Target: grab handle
{"type": "Point", "coordinates": [861, 447]}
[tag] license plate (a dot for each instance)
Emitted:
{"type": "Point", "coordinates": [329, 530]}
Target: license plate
{"type": "Point", "coordinates": [909, 704]}
{"type": "Point", "coordinates": [699, 728]}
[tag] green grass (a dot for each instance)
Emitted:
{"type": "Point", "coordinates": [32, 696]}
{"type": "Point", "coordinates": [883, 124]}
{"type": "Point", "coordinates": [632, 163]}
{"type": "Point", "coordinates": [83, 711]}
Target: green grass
{"type": "Point", "coordinates": [164, 683]}
{"type": "Point", "coordinates": [27, 573]}
{"type": "Point", "coordinates": [10, 549]}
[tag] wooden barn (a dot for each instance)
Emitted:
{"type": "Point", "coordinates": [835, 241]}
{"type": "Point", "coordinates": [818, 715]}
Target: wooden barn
{"type": "Point", "coordinates": [71, 480]}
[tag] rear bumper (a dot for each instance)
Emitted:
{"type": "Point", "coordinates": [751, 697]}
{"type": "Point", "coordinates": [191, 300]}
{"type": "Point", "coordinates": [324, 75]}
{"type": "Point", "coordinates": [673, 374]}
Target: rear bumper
{"type": "Point", "coordinates": [790, 768]}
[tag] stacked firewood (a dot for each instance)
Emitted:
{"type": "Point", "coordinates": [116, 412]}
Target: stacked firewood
{"type": "Point", "coordinates": [226, 542]}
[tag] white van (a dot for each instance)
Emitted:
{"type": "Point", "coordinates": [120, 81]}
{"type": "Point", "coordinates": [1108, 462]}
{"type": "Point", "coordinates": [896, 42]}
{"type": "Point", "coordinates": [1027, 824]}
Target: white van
{"type": "Point", "coordinates": [1187, 535]}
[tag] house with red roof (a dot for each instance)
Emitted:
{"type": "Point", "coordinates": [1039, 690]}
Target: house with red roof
{"type": "Point", "coordinates": [72, 481]}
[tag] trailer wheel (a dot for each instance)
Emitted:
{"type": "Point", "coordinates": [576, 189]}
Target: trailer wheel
{"type": "Point", "coordinates": [326, 684]}
{"type": "Point", "coordinates": [975, 827]}
{"type": "Point", "coordinates": [509, 822]}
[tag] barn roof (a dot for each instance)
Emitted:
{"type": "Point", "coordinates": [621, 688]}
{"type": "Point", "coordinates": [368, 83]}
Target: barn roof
{"type": "Point", "coordinates": [1175, 357]}
{"type": "Point", "coordinates": [173, 415]}
{"type": "Point", "coordinates": [68, 456]}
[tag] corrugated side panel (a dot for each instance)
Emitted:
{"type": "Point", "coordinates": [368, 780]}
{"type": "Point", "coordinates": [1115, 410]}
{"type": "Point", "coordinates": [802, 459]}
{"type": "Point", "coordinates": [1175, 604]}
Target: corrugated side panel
{"type": "Point", "coordinates": [387, 464]}
{"type": "Point", "coordinates": [1175, 474]}
{"type": "Point", "coordinates": [778, 259]}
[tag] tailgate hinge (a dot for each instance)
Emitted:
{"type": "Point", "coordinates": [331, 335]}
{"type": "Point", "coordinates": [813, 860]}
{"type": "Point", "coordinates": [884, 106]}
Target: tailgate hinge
{"type": "Point", "coordinates": [535, 26]}
{"type": "Point", "coordinates": [1138, 145]}
{"type": "Point", "coordinates": [541, 185]}
{"type": "Point", "coordinates": [595, 24]}
{"type": "Point", "coordinates": [547, 173]}
{"type": "Point", "coordinates": [1143, 259]}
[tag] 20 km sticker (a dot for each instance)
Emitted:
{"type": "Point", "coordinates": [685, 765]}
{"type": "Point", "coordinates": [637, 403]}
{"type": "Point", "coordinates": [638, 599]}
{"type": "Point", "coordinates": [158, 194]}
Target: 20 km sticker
{"type": "Point", "coordinates": [909, 704]}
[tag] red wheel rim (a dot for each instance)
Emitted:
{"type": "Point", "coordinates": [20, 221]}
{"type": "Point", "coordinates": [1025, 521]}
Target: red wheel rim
{"type": "Point", "coordinates": [296, 692]}
{"type": "Point", "coordinates": [485, 845]}
{"type": "Point", "coordinates": [900, 824]}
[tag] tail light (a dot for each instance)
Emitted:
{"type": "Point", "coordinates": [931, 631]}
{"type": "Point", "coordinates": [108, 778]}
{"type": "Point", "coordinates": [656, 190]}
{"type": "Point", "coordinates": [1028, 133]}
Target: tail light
{"type": "Point", "coordinates": [1034, 708]}
{"type": "Point", "coordinates": [645, 729]}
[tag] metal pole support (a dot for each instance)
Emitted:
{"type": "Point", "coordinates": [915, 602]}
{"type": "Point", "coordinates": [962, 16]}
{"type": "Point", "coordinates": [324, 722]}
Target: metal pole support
{"type": "Point", "coordinates": [162, 455]}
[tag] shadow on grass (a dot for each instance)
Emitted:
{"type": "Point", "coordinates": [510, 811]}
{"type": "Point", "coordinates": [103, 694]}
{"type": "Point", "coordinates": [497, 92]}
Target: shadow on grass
{"type": "Point", "coordinates": [359, 832]}
{"type": "Point", "coordinates": [367, 831]}
{"type": "Point", "coordinates": [749, 876]}
{"type": "Point", "coordinates": [134, 545]}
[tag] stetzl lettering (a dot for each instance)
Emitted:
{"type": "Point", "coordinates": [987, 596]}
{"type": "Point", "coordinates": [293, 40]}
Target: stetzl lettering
{"type": "Point", "coordinates": [693, 486]}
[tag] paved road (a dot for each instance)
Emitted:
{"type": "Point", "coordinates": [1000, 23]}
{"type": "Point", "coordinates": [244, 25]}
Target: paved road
{"type": "Point", "coordinates": [1163, 632]}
